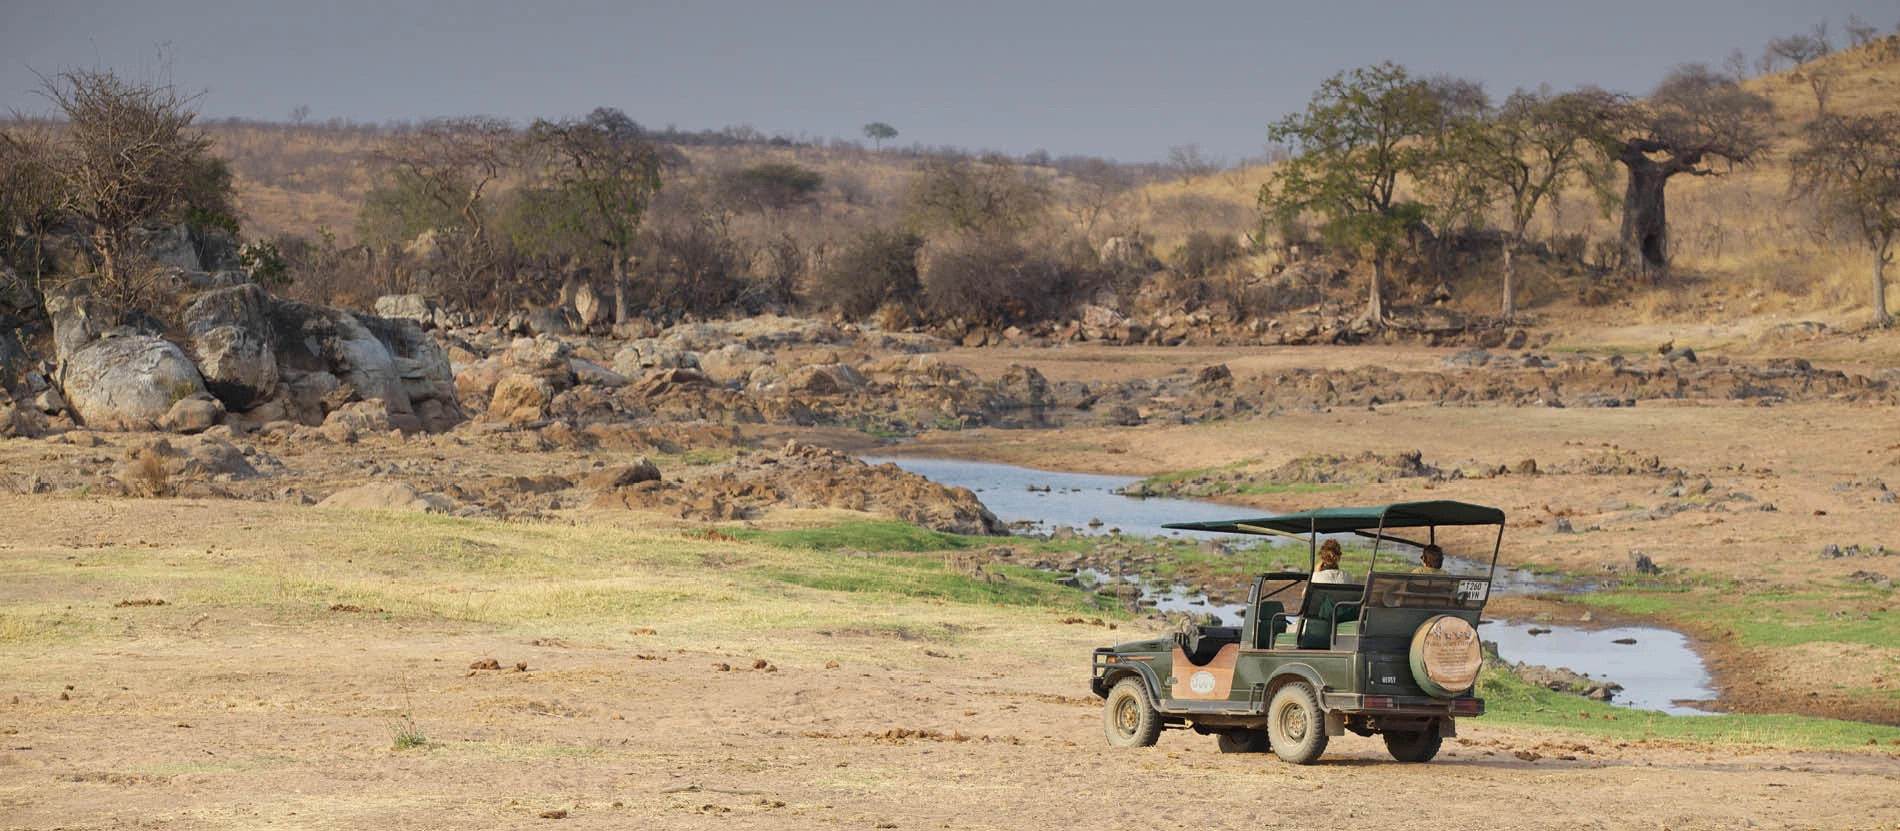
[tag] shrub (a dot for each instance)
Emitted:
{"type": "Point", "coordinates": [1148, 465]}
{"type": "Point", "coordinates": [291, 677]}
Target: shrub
{"type": "Point", "coordinates": [1203, 253]}
{"type": "Point", "coordinates": [1000, 280]}
{"type": "Point", "coordinates": [877, 268]}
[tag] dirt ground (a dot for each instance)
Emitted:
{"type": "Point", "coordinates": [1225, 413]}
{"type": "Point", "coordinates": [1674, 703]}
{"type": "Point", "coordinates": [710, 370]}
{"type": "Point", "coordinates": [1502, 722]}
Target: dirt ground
{"type": "Point", "coordinates": [234, 723]}
{"type": "Point", "coordinates": [227, 719]}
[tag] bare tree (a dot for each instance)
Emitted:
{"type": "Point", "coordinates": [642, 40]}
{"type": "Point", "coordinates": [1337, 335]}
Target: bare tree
{"type": "Point", "coordinates": [1093, 186]}
{"type": "Point", "coordinates": [1851, 165]}
{"type": "Point", "coordinates": [1821, 82]}
{"type": "Point", "coordinates": [1859, 33]}
{"type": "Point", "coordinates": [130, 153]}
{"type": "Point", "coordinates": [1189, 164]}
{"type": "Point", "coordinates": [994, 194]}
{"type": "Point", "coordinates": [1695, 117]}
{"type": "Point", "coordinates": [29, 191]}
{"type": "Point", "coordinates": [1800, 48]}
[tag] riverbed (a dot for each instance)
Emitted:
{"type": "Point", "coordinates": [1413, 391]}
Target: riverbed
{"type": "Point", "coordinates": [1657, 668]}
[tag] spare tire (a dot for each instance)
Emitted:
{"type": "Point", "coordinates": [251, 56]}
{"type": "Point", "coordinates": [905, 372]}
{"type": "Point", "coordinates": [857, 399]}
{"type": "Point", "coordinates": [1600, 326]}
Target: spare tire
{"type": "Point", "coordinates": [1446, 656]}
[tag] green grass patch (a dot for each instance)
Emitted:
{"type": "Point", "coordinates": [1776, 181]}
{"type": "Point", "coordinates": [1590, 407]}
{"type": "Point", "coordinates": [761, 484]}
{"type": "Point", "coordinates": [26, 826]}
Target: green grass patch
{"type": "Point", "coordinates": [924, 577]}
{"type": "Point", "coordinates": [1510, 700]}
{"type": "Point", "coordinates": [1763, 618]}
{"type": "Point", "coordinates": [863, 536]}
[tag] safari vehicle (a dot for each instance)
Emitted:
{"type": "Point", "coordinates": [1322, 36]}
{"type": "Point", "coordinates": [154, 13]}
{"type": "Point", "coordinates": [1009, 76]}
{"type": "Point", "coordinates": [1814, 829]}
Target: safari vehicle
{"type": "Point", "coordinates": [1395, 655]}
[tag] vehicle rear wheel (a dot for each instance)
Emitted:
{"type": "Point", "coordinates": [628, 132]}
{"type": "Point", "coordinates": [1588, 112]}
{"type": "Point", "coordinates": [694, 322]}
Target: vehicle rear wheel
{"type": "Point", "coordinates": [1128, 717]}
{"type": "Point", "coordinates": [1245, 741]}
{"type": "Point", "coordinates": [1413, 745]}
{"type": "Point", "coordinates": [1296, 725]}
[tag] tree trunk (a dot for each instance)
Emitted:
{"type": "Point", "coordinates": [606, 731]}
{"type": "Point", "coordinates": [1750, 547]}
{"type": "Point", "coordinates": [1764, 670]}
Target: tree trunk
{"type": "Point", "coordinates": [620, 285]}
{"type": "Point", "coordinates": [1510, 280]}
{"type": "Point", "coordinates": [1375, 301]}
{"type": "Point", "coordinates": [1881, 254]}
{"type": "Point", "coordinates": [1645, 232]}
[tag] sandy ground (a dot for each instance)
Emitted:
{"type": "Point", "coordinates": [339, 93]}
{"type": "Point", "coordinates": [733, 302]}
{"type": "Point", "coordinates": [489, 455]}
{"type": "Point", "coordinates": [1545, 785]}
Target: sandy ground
{"type": "Point", "coordinates": [231, 723]}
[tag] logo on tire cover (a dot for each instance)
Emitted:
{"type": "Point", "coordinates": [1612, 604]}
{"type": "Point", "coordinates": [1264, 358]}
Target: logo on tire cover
{"type": "Point", "coordinates": [1201, 682]}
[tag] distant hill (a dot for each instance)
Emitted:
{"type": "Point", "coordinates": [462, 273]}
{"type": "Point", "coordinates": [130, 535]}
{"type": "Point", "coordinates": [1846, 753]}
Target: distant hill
{"type": "Point", "coordinates": [1739, 244]}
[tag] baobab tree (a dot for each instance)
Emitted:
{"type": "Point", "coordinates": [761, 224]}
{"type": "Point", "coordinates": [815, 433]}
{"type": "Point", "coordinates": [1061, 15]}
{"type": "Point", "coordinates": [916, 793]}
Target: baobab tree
{"type": "Point", "coordinates": [1695, 118]}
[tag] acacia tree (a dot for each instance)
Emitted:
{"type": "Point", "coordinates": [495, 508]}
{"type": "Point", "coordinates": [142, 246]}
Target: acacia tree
{"type": "Point", "coordinates": [448, 164]}
{"type": "Point", "coordinates": [129, 154]}
{"type": "Point", "coordinates": [1526, 154]}
{"type": "Point", "coordinates": [1852, 166]}
{"type": "Point", "coordinates": [1695, 117]}
{"type": "Point", "coordinates": [607, 171]}
{"type": "Point", "coordinates": [1358, 136]}
{"type": "Point", "coordinates": [877, 132]}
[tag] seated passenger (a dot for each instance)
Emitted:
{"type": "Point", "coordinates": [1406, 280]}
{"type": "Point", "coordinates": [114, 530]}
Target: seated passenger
{"type": "Point", "coordinates": [1431, 560]}
{"type": "Point", "coordinates": [1329, 570]}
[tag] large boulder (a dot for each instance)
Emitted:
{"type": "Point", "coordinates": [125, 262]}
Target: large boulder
{"type": "Point", "coordinates": [388, 496]}
{"type": "Point", "coordinates": [423, 370]}
{"type": "Point", "coordinates": [231, 336]}
{"type": "Point", "coordinates": [313, 339]}
{"type": "Point", "coordinates": [129, 382]}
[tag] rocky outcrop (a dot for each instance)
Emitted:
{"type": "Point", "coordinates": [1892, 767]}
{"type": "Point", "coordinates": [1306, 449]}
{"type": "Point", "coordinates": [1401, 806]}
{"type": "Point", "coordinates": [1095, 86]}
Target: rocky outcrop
{"type": "Point", "coordinates": [806, 476]}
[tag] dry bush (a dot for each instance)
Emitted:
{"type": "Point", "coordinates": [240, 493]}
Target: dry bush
{"type": "Point", "coordinates": [877, 269]}
{"type": "Point", "coordinates": [1002, 279]}
{"type": "Point", "coordinates": [145, 473]}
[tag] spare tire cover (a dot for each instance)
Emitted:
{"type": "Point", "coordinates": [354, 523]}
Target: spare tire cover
{"type": "Point", "coordinates": [1446, 656]}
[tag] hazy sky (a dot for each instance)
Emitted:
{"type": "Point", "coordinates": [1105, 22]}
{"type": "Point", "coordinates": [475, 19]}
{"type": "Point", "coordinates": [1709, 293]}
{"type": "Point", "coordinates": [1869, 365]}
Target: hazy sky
{"type": "Point", "coordinates": [1126, 80]}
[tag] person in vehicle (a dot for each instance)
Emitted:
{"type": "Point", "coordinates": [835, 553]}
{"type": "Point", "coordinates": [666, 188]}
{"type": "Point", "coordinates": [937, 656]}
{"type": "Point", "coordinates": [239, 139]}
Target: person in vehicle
{"type": "Point", "coordinates": [1329, 570]}
{"type": "Point", "coordinates": [1431, 560]}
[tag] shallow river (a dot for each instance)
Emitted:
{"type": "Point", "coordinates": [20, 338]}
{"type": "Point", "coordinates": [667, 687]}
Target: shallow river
{"type": "Point", "coordinates": [1658, 669]}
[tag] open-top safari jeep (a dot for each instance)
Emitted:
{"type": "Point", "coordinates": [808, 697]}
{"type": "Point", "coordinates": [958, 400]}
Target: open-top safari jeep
{"type": "Point", "coordinates": [1395, 655]}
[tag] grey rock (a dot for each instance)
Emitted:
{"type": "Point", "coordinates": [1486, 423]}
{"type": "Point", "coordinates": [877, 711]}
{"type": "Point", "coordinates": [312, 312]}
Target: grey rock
{"type": "Point", "coordinates": [122, 383]}
{"type": "Point", "coordinates": [192, 415]}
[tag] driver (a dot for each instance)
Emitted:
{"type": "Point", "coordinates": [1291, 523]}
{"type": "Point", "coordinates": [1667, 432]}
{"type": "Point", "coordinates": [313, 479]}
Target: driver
{"type": "Point", "coordinates": [1431, 560]}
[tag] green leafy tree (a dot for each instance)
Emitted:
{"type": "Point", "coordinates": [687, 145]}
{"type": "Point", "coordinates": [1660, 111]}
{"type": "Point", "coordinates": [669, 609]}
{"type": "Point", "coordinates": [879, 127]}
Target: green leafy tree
{"type": "Point", "coordinates": [130, 154]}
{"type": "Point", "coordinates": [1851, 165]}
{"type": "Point", "coordinates": [441, 170]}
{"type": "Point", "coordinates": [1536, 145]}
{"type": "Point", "coordinates": [877, 132]}
{"type": "Point", "coordinates": [1359, 135]}
{"type": "Point", "coordinates": [604, 172]}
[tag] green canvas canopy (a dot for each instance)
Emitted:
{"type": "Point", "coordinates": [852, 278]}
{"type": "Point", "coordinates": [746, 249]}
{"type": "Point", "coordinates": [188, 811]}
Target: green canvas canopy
{"type": "Point", "coordinates": [1346, 520]}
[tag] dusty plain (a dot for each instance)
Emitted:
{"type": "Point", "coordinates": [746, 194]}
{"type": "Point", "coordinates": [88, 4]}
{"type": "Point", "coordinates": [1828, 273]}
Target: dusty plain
{"type": "Point", "coordinates": [323, 668]}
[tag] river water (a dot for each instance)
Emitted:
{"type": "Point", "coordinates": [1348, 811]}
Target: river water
{"type": "Point", "coordinates": [1656, 671]}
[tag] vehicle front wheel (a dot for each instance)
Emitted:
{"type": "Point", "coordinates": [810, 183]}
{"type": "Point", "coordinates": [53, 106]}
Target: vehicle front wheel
{"type": "Point", "coordinates": [1128, 717]}
{"type": "Point", "coordinates": [1245, 741]}
{"type": "Point", "coordinates": [1413, 745]}
{"type": "Point", "coordinates": [1296, 725]}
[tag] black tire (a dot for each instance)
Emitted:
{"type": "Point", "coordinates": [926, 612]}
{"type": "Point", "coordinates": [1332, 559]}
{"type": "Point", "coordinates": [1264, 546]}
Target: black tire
{"type": "Point", "coordinates": [1128, 717]}
{"type": "Point", "coordinates": [1245, 741]}
{"type": "Point", "coordinates": [1413, 745]}
{"type": "Point", "coordinates": [1296, 725]}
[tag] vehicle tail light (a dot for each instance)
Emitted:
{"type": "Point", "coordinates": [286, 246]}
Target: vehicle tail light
{"type": "Point", "coordinates": [1467, 705]}
{"type": "Point", "coordinates": [1378, 702]}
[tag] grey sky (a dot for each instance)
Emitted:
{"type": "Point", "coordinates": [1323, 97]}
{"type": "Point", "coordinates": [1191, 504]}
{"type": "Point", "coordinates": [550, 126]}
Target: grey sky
{"type": "Point", "coordinates": [1121, 79]}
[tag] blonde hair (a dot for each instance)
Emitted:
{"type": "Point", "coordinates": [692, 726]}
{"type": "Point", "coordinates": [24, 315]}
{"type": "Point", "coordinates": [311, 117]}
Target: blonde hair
{"type": "Point", "coordinates": [1329, 554]}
